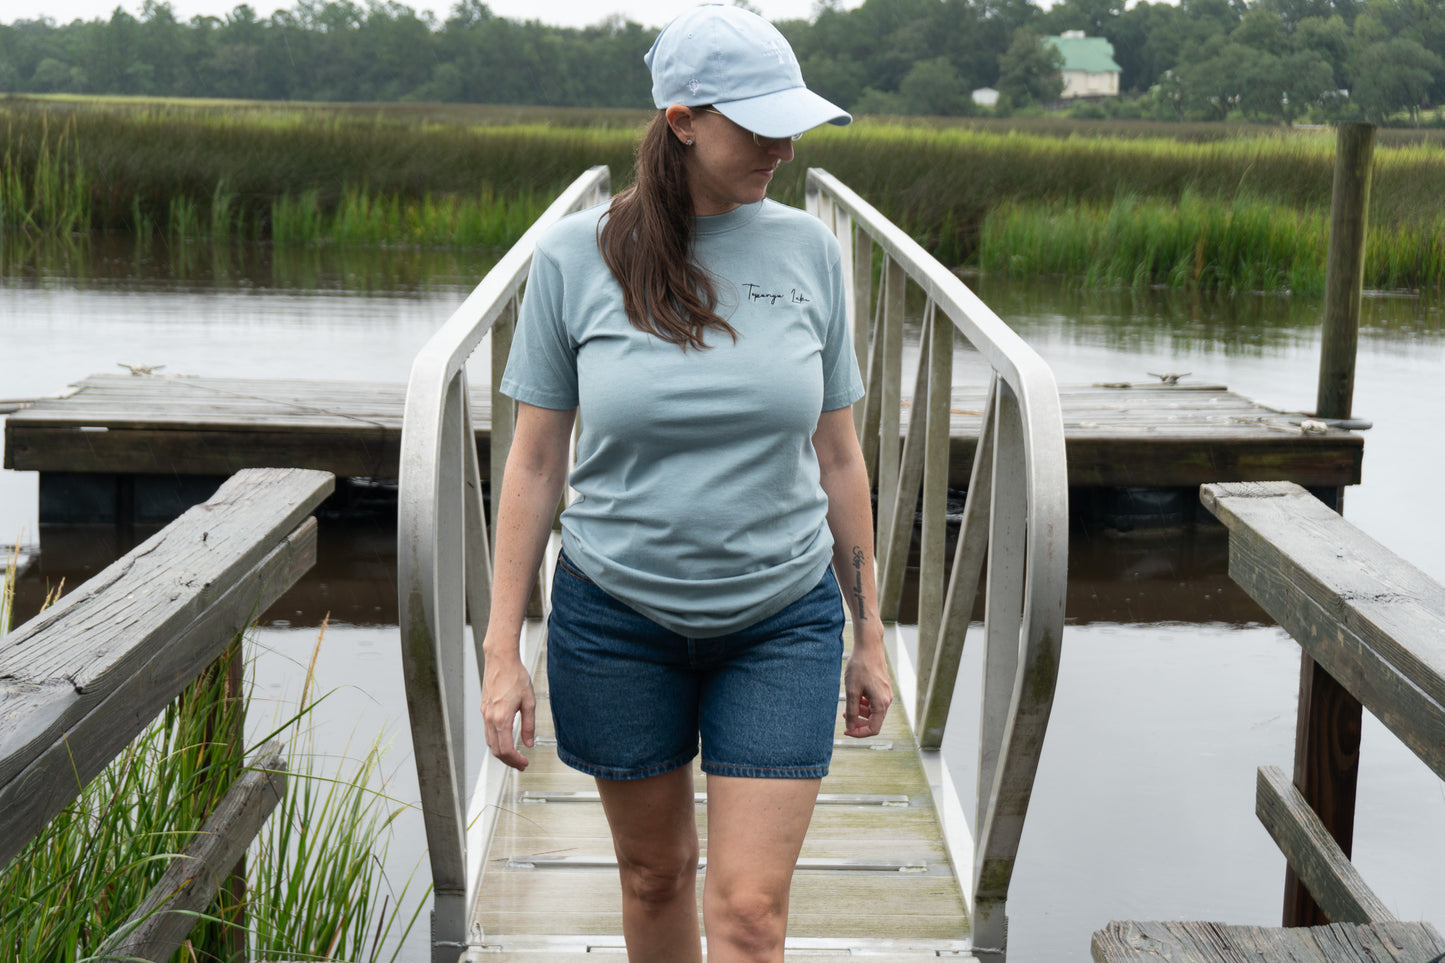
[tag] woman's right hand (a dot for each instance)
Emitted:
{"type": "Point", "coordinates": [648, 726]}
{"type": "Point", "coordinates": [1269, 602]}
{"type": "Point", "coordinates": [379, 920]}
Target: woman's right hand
{"type": "Point", "coordinates": [531, 488]}
{"type": "Point", "coordinates": [506, 693]}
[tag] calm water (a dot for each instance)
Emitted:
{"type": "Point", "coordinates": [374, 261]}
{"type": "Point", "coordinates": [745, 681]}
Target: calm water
{"type": "Point", "coordinates": [1172, 689]}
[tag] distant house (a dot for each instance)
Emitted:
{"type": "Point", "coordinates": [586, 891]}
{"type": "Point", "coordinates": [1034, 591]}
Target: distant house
{"type": "Point", "coordinates": [985, 97]}
{"type": "Point", "coordinates": [1089, 67]}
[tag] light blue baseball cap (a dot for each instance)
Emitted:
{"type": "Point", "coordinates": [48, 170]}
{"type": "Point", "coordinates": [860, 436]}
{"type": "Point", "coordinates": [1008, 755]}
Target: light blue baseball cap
{"type": "Point", "coordinates": [739, 63]}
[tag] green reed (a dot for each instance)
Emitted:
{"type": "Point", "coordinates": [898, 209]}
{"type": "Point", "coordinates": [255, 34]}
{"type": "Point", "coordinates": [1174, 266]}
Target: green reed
{"type": "Point", "coordinates": [458, 176]}
{"type": "Point", "coordinates": [1402, 256]}
{"type": "Point", "coordinates": [7, 591]}
{"type": "Point", "coordinates": [1246, 244]}
{"type": "Point", "coordinates": [184, 219]}
{"type": "Point", "coordinates": [44, 185]}
{"type": "Point", "coordinates": [943, 185]}
{"type": "Point", "coordinates": [365, 219]}
{"type": "Point", "coordinates": [1205, 243]}
{"type": "Point", "coordinates": [315, 881]}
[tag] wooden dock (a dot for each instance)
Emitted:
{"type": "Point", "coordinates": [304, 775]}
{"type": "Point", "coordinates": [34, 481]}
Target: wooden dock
{"type": "Point", "coordinates": [550, 887]}
{"type": "Point", "coordinates": [79, 681]}
{"type": "Point", "coordinates": [1146, 435]}
{"type": "Point", "coordinates": [1374, 627]}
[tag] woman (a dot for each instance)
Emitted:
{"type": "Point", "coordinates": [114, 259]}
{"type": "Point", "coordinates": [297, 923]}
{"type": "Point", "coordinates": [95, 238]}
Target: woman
{"type": "Point", "coordinates": [700, 330]}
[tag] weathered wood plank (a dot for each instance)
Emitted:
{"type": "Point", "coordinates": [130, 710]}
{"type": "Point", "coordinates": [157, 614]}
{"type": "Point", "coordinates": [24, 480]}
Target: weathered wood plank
{"type": "Point", "coordinates": [1134, 941]}
{"type": "Point", "coordinates": [101, 727]}
{"type": "Point", "coordinates": [844, 832]}
{"type": "Point", "coordinates": [1158, 435]}
{"type": "Point", "coordinates": [132, 402]}
{"type": "Point", "coordinates": [1406, 942]}
{"type": "Point", "coordinates": [1374, 622]}
{"type": "Point", "coordinates": [840, 827]}
{"type": "Point", "coordinates": [215, 426]}
{"type": "Point", "coordinates": [156, 929]}
{"type": "Point", "coordinates": [98, 633]}
{"type": "Point", "coordinates": [1313, 853]}
{"type": "Point", "coordinates": [1164, 461]}
{"type": "Point", "coordinates": [1175, 942]}
{"type": "Point", "coordinates": [582, 901]}
{"type": "Point", "coordinates": [80, 680]}
{"type": "Point", "coordinates": [346, 452]}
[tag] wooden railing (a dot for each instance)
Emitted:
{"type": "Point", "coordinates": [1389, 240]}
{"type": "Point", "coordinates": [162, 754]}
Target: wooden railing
{"type": "Point", "coordinates": [1375, 623]}
{"type": "Point", "coordinates": [444, 568]}
{"type": "Point", "coordinates": [82, 679]}
{"type": "Point", "coordinates": [1014, 532]}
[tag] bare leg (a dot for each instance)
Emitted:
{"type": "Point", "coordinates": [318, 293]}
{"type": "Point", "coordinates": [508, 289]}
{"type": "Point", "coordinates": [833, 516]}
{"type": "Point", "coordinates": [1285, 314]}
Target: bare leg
{"type": "Point", "coordinates": [654, 832]}
{"type": "Point", "coordinates": [755, 830]}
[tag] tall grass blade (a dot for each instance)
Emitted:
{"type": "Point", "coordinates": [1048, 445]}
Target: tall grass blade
{"type": "Point", "coordinates": [314, 870]}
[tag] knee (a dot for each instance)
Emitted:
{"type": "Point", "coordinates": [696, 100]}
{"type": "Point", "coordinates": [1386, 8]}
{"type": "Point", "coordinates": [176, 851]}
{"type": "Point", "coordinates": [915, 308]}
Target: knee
{"type": "Point", "coordinates": [659, 877]}
{"type": "Point", "coordinates": [753, 923]}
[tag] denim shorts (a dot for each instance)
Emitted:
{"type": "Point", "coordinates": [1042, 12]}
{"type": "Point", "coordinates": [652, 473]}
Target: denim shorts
{"type": "Point", "coordinates": [630, 699]}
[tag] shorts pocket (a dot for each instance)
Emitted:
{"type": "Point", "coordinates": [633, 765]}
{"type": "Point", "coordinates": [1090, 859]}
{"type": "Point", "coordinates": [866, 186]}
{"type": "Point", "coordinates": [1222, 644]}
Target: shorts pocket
{"type": "Point", "coordinates": [564, 564]}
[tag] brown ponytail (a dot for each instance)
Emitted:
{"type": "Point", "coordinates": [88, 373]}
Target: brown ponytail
{"type": "Point", "coordinates": [646, 241]}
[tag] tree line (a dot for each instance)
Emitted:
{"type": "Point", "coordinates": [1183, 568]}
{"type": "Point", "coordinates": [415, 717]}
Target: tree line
{"type": "Point", "coordinates": [1280, 60]}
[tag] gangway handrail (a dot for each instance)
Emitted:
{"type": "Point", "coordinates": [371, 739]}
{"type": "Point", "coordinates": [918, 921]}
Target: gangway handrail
{"type": "Point", "coordinates": [444, 567]}
{"type": "Point", "coordinates": [444, 554]}
{"type": "Point", "coordinates": [1014, 532]}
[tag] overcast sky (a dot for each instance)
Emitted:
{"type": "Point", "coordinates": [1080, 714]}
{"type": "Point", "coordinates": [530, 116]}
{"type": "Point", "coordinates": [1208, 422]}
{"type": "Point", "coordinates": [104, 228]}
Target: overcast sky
{"type": "Point", "coordinates": [570, 13]}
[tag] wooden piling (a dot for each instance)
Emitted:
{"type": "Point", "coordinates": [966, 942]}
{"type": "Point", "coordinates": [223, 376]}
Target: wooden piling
{"type": "Point", "coordinates": [1326, 770]}
{"type": "Point", "coordinates": [1327, 733]}
{"type": "Point", "coordinates": [1344, 270]}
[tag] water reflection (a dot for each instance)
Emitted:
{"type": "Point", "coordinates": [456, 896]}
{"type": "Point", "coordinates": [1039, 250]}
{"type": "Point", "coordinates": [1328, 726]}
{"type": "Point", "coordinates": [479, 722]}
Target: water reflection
{"type": "Point", "coordinates": [121, 262]}
{"type": "Point", "coordinates": [1187, 322]}
{"type": "Point", "coordinates": [353, 581]}
{"type": "Point", "coordinates": [1175, 575]}
{"type": "Point", "coordinates": [1152, 576]}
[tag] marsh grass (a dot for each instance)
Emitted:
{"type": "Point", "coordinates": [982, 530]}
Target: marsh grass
{"type": "Point", "coordinates": [7, 590]}
{"type": "Point", "coordinates": [1401, 256]}
{"type": "Point", "coordinates": [43, 182]}
{"type": "Point", "coordinates": [365, 219]}
{"type": "Point", "coordinates": [290, 174]}
{"type": "Point", "coordinates": [462, 176]}
{"type": "Point", "coordinates": [316, 883]}
{"type": "Point", "coordinates": [318, 886]}
{"type": "Point", "coordinates": [1201, 243]}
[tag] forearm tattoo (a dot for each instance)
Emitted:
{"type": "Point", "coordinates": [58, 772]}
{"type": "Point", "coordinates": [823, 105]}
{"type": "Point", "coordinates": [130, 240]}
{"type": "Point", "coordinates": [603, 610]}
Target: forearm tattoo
{"type": "Point", "coordinates": [858, 559]}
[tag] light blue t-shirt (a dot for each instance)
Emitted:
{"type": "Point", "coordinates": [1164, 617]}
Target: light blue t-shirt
{"type": "Point", "coordinates": [698, 498]}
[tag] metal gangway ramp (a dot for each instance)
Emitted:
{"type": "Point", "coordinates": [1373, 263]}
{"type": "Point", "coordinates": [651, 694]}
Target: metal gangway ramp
{"type": "Point", "coordinates": [905, 859]}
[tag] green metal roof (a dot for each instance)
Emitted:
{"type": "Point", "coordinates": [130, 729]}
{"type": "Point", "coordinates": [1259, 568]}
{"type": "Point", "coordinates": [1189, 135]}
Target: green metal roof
{"type": "Point", "coordinates": [1093, 55]}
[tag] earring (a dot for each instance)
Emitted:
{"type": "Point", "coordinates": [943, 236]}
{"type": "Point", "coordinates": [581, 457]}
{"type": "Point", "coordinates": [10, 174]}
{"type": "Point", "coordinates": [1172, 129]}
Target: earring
{"type": "Point", "coordinates": [687, 143]}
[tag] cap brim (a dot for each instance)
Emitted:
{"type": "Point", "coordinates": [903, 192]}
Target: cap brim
{"type": "Point", "coordinates": [783, 113]}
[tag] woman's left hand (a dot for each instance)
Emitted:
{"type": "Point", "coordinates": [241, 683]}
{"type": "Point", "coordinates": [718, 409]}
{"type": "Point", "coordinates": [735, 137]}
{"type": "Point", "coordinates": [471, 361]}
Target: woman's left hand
{"type": "Point", "coordinates": [866, 683]}
{"type": "Point", "coordinates": [844, 478]}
